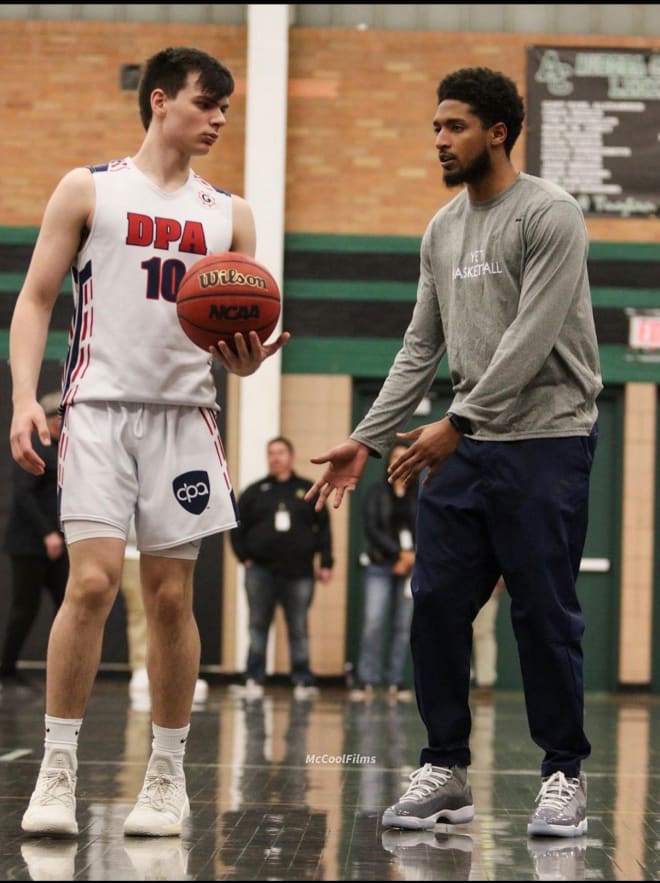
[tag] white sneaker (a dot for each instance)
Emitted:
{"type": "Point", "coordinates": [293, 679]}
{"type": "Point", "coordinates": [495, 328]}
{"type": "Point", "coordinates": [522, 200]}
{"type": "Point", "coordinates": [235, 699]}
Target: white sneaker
{"type": "Point", "coordinates": [399, 694]}
{"type": "Point", "coordinates": [52, 807]}
{"type": "Point", "coordinates": [249, 690]}
{"type": "Point", "coordinates": [364, 693]}
{"type": "Point", "coordinates": [50, 859]}
{"type": "Point", "coordinates": [253, 690]}
{"type": "Point", "coordinates": [201, 691]}
{"type": "Point", "coordinates": [162, 805]}
{"type": "Point", "coordinates": [305, 691]}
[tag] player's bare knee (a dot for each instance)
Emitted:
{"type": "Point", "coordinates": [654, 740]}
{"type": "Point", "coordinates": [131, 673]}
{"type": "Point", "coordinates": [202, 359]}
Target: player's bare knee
{"type": "Point", "coordinates": [92, 589]}
{"type": "Point", "coordinates": [170, 605]}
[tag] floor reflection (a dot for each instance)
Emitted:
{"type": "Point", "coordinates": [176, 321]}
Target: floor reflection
{"type": "Point", "coordinates": [430, 855]}
{"type": "Point", "coordinates": [286, 789]}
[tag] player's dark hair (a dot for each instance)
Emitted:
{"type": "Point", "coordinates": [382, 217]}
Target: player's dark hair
{"type": "Point", "coordinates": [492, 97]}
{"type": "Point", "coordinates": [168, 70]}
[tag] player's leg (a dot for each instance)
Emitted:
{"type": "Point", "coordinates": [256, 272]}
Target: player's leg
{"type": "Point", "coordinates": [173, 658]}
{"type": "Point", "coordinates": [184, 495]}
{"type": "Point", "coordinates": [74, 652]}
{"type": "Point", "coordinates": [97, 477]}
{"type": "Point", "coordinates": [76, 637]}
{"type": "Point", "coordinates": [174, 649]}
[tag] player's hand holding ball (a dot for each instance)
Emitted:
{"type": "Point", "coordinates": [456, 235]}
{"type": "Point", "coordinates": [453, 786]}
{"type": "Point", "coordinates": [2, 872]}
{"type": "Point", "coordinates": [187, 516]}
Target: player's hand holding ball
{"type": "Point", "coordinates": [228, 304]}
{"type": "Point", "coordinates": [247, 352]}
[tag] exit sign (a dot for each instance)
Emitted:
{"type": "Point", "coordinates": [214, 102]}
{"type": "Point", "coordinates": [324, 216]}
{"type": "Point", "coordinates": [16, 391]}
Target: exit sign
{"type": "Point", "coordinates": [644, 332]}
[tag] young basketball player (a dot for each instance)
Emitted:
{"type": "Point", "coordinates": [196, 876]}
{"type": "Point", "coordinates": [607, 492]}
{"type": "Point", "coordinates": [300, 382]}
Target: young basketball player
{"type": "Point", "coordinates": [139, 433]}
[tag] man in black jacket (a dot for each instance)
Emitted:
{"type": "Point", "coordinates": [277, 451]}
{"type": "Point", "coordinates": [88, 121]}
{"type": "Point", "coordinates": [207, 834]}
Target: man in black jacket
{"type": "Point", "coordinates": [35, 546]}
{"type": "Point", "coordinates": [285, 546]}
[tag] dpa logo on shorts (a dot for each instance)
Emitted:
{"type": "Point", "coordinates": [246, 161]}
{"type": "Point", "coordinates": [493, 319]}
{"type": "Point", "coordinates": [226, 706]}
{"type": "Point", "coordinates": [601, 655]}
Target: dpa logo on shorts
{"type": "Point", "coordinates": [192, 490]}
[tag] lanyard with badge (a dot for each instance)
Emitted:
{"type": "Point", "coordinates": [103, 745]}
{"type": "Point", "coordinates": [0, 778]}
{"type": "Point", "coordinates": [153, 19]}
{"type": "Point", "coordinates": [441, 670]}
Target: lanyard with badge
{"type": "Point", "coordinates": [282, 519]}
{"type": "Point", "coordinates": [406, 543]}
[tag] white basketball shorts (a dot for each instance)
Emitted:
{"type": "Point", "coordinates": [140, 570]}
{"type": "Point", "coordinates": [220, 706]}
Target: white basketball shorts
{"type": "Point", "coordinates": [166, 463]}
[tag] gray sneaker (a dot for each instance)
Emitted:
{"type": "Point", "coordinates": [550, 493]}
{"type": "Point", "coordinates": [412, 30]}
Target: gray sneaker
{"type": "Point", "coordinates": [436, 793]}
{"type": "Point", "coordinates": [562, 807]}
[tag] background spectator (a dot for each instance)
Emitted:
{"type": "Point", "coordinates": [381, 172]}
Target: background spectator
{"type": "Point", "coordinates": [285, 546]}
{"type": "Point", "coordinates": [389, 527]}
{"type": "Point", "coordinates": [35, 546]}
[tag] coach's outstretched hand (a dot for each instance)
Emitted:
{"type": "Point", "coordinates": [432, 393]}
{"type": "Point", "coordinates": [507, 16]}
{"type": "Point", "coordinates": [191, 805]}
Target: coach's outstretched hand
{"type": "Point", "coordinates": [248, 354]}
{"type": "Point", "coordinates": [347, 462]}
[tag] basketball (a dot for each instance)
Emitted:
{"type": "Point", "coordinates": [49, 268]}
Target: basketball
{"type": "Point", "coordinates": [225, 293]}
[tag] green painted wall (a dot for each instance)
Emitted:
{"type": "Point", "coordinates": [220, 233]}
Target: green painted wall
{"type": "Point", "coordinates": [348, 300]}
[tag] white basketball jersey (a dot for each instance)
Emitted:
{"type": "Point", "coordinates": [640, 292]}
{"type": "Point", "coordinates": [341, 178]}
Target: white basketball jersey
{"type": "Point", "coordinates": [125, 341]}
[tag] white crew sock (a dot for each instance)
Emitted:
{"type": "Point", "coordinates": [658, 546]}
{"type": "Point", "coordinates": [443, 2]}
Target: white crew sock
{"type": "Point", "coordinates": [61, 735]}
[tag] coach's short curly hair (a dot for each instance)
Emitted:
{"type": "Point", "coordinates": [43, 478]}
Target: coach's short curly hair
{"type": "Point", "coordinates": [492, 96]}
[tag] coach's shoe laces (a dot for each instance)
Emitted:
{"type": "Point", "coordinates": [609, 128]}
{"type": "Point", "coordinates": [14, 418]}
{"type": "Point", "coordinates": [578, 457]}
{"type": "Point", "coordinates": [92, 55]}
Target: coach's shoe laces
{"type": "Point", "coordinates": [561, 807]}
{"type": "Point", "coordinates": [434, 793]}
{"type": "Point", "coordinates": [52, 807]}
{"type": "Point", "coordinates": [425, 781]}
{"type": "Point", "coordinates": [162, 805]}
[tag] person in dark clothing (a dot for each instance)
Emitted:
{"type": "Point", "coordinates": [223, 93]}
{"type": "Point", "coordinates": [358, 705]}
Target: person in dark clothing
{"type": "Point", "coordinates": [389, 527]}
{"type": "Point", "coordinates": [35, 546]}
{"type": "Point", "coordinates": [285, 545]}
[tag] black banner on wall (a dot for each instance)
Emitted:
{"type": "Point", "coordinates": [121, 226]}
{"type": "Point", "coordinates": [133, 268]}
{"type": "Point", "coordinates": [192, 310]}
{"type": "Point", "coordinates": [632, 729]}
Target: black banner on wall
{"type": "Point", "coordinates": [593, 126]}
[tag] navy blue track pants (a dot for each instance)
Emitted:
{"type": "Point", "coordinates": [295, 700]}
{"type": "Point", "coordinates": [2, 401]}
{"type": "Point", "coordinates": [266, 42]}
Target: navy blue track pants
{"type": "Point", "coordinates": [519, 509]}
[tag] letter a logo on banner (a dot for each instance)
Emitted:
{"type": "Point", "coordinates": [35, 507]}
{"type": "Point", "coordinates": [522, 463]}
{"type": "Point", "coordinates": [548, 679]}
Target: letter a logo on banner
{"type": "Point", "coordinates": [192, 490]}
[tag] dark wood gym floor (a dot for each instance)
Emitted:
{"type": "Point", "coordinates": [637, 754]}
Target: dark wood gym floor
{"type": "Point", "coordinates": [283, 789]}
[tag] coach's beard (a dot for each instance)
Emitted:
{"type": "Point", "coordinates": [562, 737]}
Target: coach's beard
{"type": "Point", "coordinates": [476, 171]}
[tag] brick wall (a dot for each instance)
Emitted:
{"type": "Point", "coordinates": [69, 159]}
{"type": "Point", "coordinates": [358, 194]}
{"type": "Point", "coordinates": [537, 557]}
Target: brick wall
{"type": "Point", "coordinates": [61, 104]}
{"type": "Point", "coordinates": [360, 156]}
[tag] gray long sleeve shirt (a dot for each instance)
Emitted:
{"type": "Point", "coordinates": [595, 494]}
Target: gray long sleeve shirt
{"type": "Point", "coordinates": [503, 290]}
